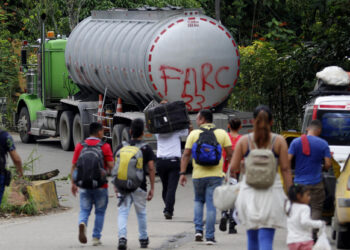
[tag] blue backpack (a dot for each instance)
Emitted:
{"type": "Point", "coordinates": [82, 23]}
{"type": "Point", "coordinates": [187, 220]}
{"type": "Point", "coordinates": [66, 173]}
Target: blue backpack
{"type": "Point", "coordinates": [206, 151]}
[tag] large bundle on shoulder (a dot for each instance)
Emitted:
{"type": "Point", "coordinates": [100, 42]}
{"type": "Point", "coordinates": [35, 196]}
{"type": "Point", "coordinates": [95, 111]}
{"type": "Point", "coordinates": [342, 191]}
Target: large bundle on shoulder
{"type": "Point", "coordinates": [167, 117]}
{"type": "Point", "coordinates": [332, 80]}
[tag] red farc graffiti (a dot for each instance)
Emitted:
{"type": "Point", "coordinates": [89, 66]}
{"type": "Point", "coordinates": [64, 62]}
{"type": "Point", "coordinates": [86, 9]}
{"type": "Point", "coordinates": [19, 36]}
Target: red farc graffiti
{"type": "Point", "coordinates": [173, 73]}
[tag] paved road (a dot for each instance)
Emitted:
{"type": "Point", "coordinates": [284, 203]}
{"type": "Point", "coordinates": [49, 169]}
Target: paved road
{"type": "Point", "coordinates": [59, 230]}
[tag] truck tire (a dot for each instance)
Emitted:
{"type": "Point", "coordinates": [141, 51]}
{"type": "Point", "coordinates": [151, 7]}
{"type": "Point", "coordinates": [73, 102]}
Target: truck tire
{"type": "Point", "coordinates": [78, 133]}
{"type": "Point", "coordinates": [24, 126]}
{"type": "Point", "coordinates": [342, 240]}
{"type": "Point", "coordinates": [126, 134]}
{"type": "Point", "coordinates": [66, 130]}
{"type": "Point", "coordinates": [120, 133]}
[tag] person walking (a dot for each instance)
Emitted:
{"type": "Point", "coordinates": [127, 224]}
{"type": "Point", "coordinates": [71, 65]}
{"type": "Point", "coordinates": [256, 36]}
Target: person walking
{"type": "Point", "coordinates": [168, 167]}
{"type": "Point", "coordinates": [139, 196]}
{"type": "Point", "coordinates": [7, 146]}
{"type": "Point", "coordinates": [205, 177]}
{"type": "Point", "coordinates": [311, 155]}
{"type": "Point", "coordinates": [261, 208]}
{"type": "Point", "coordinates": [299, 222]}
{"type": "Point", "coordinates": [234, 126]}
{"type": "Point", "coordinates": [90, 197]}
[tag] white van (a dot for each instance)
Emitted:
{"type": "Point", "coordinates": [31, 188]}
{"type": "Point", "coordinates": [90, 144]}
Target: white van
{"type": "Point", "coordinates": [334, 113]}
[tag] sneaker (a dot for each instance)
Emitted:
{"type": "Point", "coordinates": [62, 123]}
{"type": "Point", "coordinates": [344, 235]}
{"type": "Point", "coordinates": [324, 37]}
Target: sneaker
{"type": "Point", "coordinates": [122, 244]}
{"type": "Point", "coordinates": [82, 233]}
{"type": "Point", "coordinates": [96, 242]}
{"type": "Point", "coordinates": [223, 224]}
{"type": "Point", "coordinates": [231, 228]}
{"type": "Point", "coordinates": [210, 241]}
{"type": "Point", "coordinates": [144, 243]}
{"type": "Point", "coordinates": [168, 215]}
{"type": "Point", "coordinates": [198, 235]}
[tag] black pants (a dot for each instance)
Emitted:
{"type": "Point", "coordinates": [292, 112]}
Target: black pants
{"type": "Point", "coordinates": [168, 171]}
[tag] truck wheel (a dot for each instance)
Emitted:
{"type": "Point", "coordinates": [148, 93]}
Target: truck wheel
{"type": "Point", "coordinates": [342, 240]}
{"type": "Point", "coordinates": [24, 126]}
{"type": "Point", "coordinates": [117, 135]}
{"type": "Point", "coordinates": [126, 134]}
{"type": "Point", "coordinates": [66, 130]}
{"type": "Point", "coordinates": [78, 134]}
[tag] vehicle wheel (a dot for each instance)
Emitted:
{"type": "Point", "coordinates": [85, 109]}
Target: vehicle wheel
{"type": "Point", "coordinates": [342, 240]}
{"type": "Point", "coordinates": [78, 133]}
{"type": "Point", "coordinates": [24, 126]}
{"type": "Point", "coordinates": [117, 135]}
{"type": "Point", "coordinates": [126, 134]}
{"type": "Point", "coordinates": [66, 130]}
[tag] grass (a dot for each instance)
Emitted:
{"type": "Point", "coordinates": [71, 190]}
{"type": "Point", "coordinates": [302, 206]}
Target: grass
{"type": "Point", "coordinates": [29, 208]}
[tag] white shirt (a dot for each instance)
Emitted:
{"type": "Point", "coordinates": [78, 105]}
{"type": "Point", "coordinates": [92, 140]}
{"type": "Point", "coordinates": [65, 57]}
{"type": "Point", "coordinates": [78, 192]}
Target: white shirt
{"type": "Point", "coordinates": [169, 144]}
{"type": "Point", "coordinates": [300, 224]}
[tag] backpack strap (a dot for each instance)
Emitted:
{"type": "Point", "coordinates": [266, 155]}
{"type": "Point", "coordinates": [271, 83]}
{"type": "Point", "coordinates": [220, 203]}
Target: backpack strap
{"type": "Point", "coordinates": [273, 140]}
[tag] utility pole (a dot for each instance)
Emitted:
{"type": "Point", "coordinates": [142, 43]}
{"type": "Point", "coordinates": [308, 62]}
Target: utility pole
{"type": "Point", "coordinates": [217, 10]}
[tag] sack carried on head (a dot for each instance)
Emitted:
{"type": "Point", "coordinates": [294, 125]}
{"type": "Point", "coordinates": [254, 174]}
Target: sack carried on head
{"type": "Point", "coordinates": [206, 151]}
{"type": "Point", "coordinates": [128, 169]}
{"type": "Point", "coordinates": [260, 165]}
{"type": "Point", "coordinates": [90, 173]}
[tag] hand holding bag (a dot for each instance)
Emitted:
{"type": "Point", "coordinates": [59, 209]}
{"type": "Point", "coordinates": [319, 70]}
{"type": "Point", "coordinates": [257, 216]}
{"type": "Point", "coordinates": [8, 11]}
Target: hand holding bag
{"type": "Point", "coordinates": [322, 242]}
{"type": "Point", "coordinates": [225, 196]}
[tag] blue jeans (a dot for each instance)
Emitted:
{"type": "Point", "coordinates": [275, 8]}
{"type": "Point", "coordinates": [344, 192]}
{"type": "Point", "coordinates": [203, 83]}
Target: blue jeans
{"type": "Point", "coordinates": [138, 197]}
{"type": "Point", "coordinates": [203, 193]}
{"type": "Point", "coordinates": [2, 186]}
{"type": "Point", "coordinates": [260, 239]}
{"type": "Point", "coordinates": [88, 198]}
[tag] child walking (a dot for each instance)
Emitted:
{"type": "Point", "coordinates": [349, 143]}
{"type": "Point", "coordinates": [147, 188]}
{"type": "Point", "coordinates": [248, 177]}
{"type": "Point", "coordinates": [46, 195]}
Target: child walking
{"type": "Point", "coordinates": [233, 126]}
{"type": "Point", "coordinates": [299, 222]}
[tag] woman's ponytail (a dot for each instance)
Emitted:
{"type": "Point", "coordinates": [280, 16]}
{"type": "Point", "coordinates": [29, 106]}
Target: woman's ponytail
{"type": "Point", "coordinates": [262, 129]}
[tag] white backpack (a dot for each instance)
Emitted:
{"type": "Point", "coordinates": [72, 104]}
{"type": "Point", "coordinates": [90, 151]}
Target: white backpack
{"type": "Point", "coordinates": [260, 165]}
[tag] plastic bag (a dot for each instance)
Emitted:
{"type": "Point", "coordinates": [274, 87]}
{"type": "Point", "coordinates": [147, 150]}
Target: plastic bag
{"type": "Point", "coordinates": [225, 196]}
{"type": "Point", "coordinates": [322, 242]}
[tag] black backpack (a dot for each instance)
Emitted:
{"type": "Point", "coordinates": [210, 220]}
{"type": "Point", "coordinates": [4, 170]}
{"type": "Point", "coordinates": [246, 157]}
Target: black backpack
{"type": "Point", "coordinates": [90, 173]}
{"type": "Point", "coordinates": [206, 151]}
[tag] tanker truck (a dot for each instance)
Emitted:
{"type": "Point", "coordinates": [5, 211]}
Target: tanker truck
{"type": "Point", "coordinates": [138, 56]}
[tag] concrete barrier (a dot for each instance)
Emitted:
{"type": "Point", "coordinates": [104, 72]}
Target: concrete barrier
{"type": "Point", "coordinates": [44, 194]}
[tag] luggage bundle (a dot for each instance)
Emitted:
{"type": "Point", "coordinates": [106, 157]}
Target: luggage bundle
{"type": "Point", "coordinates": [166, 118]}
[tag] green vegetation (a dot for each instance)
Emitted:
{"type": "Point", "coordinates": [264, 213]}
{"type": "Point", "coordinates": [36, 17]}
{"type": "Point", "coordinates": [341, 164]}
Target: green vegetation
{"type": "Point", "coordinates": [28, 207]}
{"type": "Point", "coordinates": [283, 43]}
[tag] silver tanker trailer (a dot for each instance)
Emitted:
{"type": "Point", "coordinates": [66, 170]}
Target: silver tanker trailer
{"type": "Point", "coordinates": [142, 57]}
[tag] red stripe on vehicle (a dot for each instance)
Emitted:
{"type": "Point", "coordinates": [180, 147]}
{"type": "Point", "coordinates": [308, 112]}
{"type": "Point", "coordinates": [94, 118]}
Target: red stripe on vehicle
{"type": "Point", "coordinates": [150, 58]}
{"type": "Point", "coordinates": [332, 106]}
{"type": "Point", "coordinates": [314, 112]}
{"type": "Point", "coordinates": [203, 19]}
{"type": "Point", "coordinates": [238, 73]}
{"type": "Point", "coordinates": [163, 32]}
{"type": "Point", "coordinates": [213, 23]}
{"type": "Point", "coordinates": [149, 68]}
{"type": "Point", "coordinates": [152, 48]}
{"type": "Point", "coordinates": [157, 39]}
{"type": "Point", "coordinates": [233, 42]}
{"type": "Point", "coordinates": [160, 94]}
{"type": "Point", "coordinates": [191, 18]}
{"type": "Point", "coordinates": [150, 77]}
{"type": "Point", "coordinates": [155, 87]}
{"type": "Point", "coordinates": [237, 53]}
{"type": "Point", "coordinates": [228, 35]}
{"type": "Point", "coordinates": [235, 82]}
{"type": "Point", "coordinates": [171, 25]}
{"type": "Point", "coordinates": [220, 27]}
{"type": "Point", "coordinates": [179, 21]}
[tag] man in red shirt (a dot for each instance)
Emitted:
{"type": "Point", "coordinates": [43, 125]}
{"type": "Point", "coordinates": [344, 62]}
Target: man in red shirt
{"type": "Point", "coordinates": [97, 196]}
